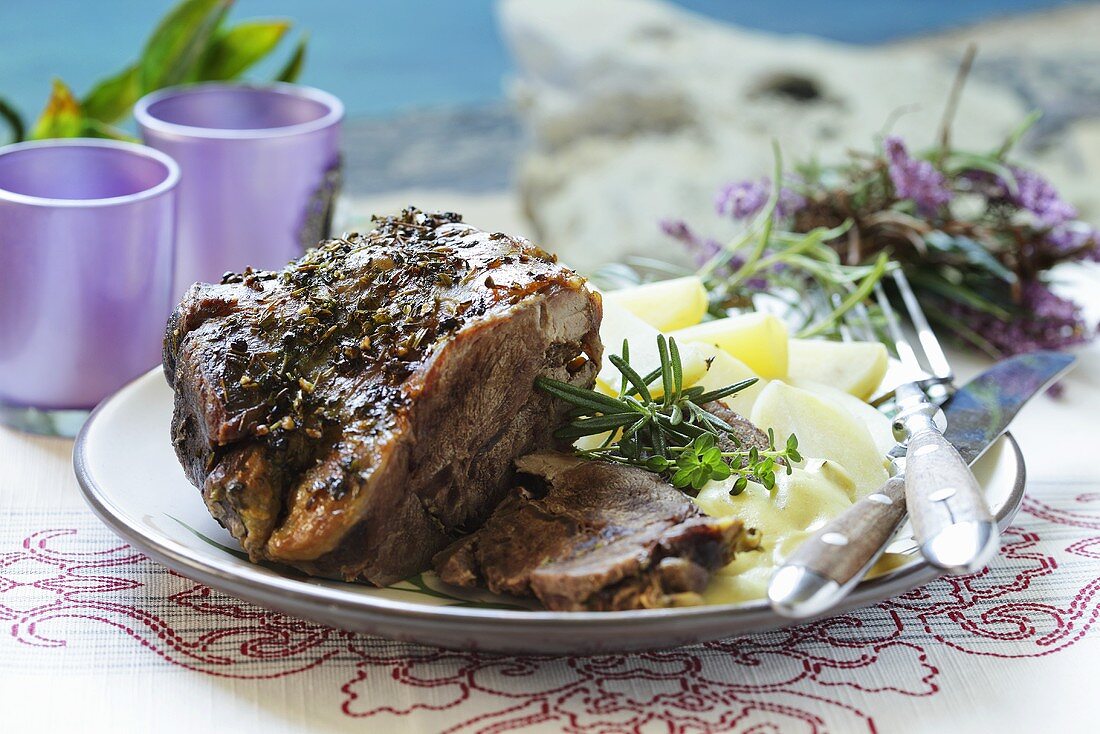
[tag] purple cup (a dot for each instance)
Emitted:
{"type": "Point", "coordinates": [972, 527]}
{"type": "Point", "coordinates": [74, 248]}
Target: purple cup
{"type": "Point", "coordinates": [86, 249]}
{"type": "Point", "coordinates": [261, 170]}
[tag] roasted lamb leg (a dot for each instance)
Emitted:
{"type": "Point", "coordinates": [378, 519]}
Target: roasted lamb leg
{"type": "Point", "coordinates": [595, 536]}
{"type": "Point", "coordinates": [354, 413]}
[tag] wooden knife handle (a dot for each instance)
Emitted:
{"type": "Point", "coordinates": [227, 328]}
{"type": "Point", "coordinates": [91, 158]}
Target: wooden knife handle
{"type": "Point", "coordinates": [851, 541]}
{"type": "Point", "coordinates": [951, 518]}
{"type": "Point", "coordinates": [833, 560]}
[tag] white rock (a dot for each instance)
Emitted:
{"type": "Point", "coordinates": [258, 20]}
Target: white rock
{"type": "Point", "coordinates": [640, 110]}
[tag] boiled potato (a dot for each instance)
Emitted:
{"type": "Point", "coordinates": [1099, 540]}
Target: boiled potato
{"type": "Point", "coordinates": [666, 304]}
{"type": "Point", "coordinates": [854, 367]}
{"type": "Point", "coordinates": [824, 429]}
{"type": "Point", "coordinates": [618, 324]}
{"type": "Point", "coordinates": [877, 424]}
{"type": "Point", "coordinates": [757, 339]}
{"type": "Point", "coordinates": [725, 370]}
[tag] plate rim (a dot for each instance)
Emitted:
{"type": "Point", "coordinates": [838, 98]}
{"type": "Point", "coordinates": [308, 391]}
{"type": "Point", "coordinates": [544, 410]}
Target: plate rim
{"type": "Point", "coordinates": [299, 598]}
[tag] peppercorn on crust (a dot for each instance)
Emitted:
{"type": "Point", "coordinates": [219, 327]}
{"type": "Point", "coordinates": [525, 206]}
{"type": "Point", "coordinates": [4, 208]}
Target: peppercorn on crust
{"type": "Point", "coordinates": [354, 413]}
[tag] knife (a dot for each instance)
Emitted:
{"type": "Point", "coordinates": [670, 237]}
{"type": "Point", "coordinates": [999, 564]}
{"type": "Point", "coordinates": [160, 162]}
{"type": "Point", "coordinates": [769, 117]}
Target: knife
{"type": "Point", "coordinates": [951, 519]}
{"type": "Point", "coordinates": [832, 561]}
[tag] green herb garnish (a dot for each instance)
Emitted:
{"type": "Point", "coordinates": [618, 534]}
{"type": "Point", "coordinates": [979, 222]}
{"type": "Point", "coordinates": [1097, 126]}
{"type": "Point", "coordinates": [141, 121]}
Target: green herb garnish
{"type": "Point", "coordinates": [670, 434]}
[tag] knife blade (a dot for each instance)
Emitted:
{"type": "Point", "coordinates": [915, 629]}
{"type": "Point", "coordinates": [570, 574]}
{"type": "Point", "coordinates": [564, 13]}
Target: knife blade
{"type": "Point", "coordinates": [829, 564]}
{"type": "Point", "coordinates": [981, 410]}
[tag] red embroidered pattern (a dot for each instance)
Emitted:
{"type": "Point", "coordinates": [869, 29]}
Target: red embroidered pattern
{"type": "Point", "coordinates": [61, 587]}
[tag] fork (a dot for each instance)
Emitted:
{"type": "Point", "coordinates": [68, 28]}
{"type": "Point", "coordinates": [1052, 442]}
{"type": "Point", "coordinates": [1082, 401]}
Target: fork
{"type": "Point", "coordinates": [951, 520]}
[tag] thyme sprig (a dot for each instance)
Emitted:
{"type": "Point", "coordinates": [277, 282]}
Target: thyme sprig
{"type": "Point", "coordinates": [669, 433]}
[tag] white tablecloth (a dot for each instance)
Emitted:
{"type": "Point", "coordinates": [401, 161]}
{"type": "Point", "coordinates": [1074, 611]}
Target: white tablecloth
{"type": "Point", "coordinates": [95, 637]}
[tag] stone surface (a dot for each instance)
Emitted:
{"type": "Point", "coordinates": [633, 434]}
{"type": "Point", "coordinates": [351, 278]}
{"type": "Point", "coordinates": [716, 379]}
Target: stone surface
{"type": "Point", "coordinates": [492, 211]}
{"type": "Point", "coordinates": [467, 149]}
{"type": "Point", "coordinates": [640, 110]}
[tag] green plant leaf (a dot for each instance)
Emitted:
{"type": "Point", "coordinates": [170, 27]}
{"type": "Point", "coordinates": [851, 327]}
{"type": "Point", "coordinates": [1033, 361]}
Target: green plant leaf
{"type": "Point", "coordinates": [179, 42]}
{"type": "Point", "coordinates": [293, 68]}
{"type": "Point", "coordinates": [958, 293]}
{"type": "Point", "coordinates": [723, 392]}
{"type": "Point", "coordinates": [625, 383]}
{"type": "Point", "coordinates": [62, 117]}
{"type": "Point", "coordinates": [628, 373]}
{"type": "Point", "coordinates": [657, 463]}
{"type": "Point", "coordinates": [234, 50]}
{"type": "Point", "coordinates": [14, 120]}
{"type": "Point", "coordinates": [666, 368]}
{"type": "Point", "coordinates": [594, 425]}
{"type": "Point", "coordinates": [858, 295]}
{"type": "Point", "coordinates": [974, 253]}
{"type": "Point", "coordinates": [97, 129]}
{"type": "Point", "coordinates": [111, 99]}
{"type": "Point", "coordinates": [680, 478]}
{"type": "Point", "coordinates": [956, 163]}
{"type": "Point", "coordinates": [1021, 129]}
{"type": "Point", "coordinates": [739, 486]}
{"type": "Point", "coordinates": [578, 396]}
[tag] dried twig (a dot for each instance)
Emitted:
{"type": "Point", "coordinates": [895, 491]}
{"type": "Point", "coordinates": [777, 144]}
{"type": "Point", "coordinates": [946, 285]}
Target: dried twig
{"type": "Point", "coordinates": [953, 98]}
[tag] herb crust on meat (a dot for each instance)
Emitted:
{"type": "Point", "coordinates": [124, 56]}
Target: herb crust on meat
{"type": "Point", "coordinates": [354, 413]}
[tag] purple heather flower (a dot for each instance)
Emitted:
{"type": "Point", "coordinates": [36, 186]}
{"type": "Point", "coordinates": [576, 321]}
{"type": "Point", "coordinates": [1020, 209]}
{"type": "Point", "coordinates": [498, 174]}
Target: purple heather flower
{"type": "Point", "coordinates": [744, 199]}
{"type": "Point", "coordinates": [1036, 195]}
{"type": "Point", "coordinates": [1075, 237]}
{"type": "Point", "coordinates": [701, 249]}
{"type": "Point", "coordinates": [1045, 321]}
{"type": "Point", "coordinates": [758, 284]}
{"type": "Point", "coordinates": [790, 202]}
{"type": "Point", "coordinates": [988, 183]}
{"type": "Point", "coordinates": [678, 229]}
{"type": "Point", "coordinates": [915, 179]}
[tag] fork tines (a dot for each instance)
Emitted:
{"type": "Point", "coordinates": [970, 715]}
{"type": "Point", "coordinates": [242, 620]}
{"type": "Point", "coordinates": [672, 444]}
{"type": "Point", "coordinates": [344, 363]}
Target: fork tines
{"type": "Point", "coordinates": [931, 359]}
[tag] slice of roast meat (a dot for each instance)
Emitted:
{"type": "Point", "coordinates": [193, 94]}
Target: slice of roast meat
{"type": "Point", "coordinates": [592, 535]}
{"type": "Point", "coordinates": [356, 412]}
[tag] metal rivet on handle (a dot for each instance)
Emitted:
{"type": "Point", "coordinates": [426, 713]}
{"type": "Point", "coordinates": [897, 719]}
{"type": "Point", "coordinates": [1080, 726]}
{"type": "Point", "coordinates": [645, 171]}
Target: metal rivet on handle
{"type": "Point", "coordinates": [942, 494]}
{"type": "Point", "coordinates": [834, 539]}
{"type": "Point", "coordinates": [880, 498]}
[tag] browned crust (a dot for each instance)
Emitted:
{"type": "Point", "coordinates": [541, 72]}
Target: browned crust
{"type": "Point", "coordinates": [300, 499]}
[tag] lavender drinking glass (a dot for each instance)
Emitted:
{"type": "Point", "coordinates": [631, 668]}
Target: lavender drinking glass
{"type": "Point", "coordinates": [261, 169]}
{"type": "Point", "coordinates": [86, 249]}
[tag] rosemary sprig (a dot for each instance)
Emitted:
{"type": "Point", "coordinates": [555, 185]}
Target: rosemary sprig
{"type": "Point", "coordinates": [671, 434]}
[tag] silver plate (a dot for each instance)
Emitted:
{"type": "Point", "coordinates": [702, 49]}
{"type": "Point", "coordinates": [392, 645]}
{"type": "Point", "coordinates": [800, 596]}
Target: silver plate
{"type": "Point", "coordinates": [129, 475]}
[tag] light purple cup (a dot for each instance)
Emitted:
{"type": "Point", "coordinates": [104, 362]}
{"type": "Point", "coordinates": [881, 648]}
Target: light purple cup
{"type": "Point", "coordinates": [86, 250]}
{"type": "Point", "coordinates": [261, 170]}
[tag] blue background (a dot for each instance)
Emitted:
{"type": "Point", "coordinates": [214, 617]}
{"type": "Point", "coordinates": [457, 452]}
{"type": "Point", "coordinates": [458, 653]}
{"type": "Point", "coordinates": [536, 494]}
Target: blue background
{"type": "Point", "coordinates": [386, 56]}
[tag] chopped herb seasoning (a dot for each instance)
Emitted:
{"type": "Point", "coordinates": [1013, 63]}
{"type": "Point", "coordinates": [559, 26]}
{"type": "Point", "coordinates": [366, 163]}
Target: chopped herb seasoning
{"type": "Point", "coordinates": [355, 316]}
